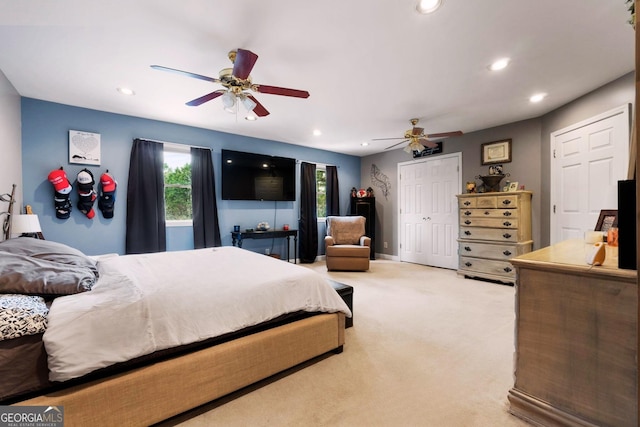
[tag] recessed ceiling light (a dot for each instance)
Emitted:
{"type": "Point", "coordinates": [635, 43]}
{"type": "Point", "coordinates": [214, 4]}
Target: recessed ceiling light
{"type": "Point", "coordinates": [365, 144]}
{"type": "Point", "coordinates": [428, 6]}
{"type": "Point", "coordinates": [500, 64]}
{"type": "Point", "coordinates": [317, 132]}
{"type": "Point", "coordinates": [251, 118]}
{"type": "Point", "coordinates": [538, 97]}
{"type": "Point", "coordinates": [126, 91]}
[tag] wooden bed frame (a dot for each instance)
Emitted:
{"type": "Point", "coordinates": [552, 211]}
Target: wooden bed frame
{"type": "Point", "coordinates": [154, 393]}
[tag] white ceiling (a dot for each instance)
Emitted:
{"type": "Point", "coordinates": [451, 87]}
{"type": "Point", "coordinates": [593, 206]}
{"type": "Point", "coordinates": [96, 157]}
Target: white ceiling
{"type": "Point", "coordinates": [369, 66]}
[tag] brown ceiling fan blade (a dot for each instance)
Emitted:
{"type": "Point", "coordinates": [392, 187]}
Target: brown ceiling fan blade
{"type": "Point", "coordinates": [427, 143]}
{"type": "Point", "coordinates": [205, 98]}
{"type": "Point", "coordinates": [274, 90]}
{"type": "Point", "coordinates": [444, 134]}
{"type": "Point", "coordinates": [417, 131]}
{"type": "Point", "coordinates": [259, 109]}
{"type": "Point", "coordinates": [395, 145]}
{"type": "Point", "coordinates": [186, 73]}
{"type": "Point", "coordinates": [243, 64]}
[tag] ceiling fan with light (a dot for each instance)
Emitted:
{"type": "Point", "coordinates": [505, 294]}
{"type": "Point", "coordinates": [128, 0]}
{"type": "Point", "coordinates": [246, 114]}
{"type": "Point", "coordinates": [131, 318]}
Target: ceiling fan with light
{"type": "Point", "coordinates": [237, 84]}
{"type": "Point", "coordinates": [418, 140]}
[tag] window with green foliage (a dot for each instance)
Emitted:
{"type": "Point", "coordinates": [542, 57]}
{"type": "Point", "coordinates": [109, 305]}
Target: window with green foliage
{"type": "Point", "coordinates": [177, 184]}
{"type": "Point", "coordinates": [321, 193]}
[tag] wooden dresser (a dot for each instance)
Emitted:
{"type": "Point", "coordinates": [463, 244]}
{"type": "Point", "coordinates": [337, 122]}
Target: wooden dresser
{"type": "Point", "coordinates": [494, 227]}
{"type": "Point", "coordinates": [575, 339]}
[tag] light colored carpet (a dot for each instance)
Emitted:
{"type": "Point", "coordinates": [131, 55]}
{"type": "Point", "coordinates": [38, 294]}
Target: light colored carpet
{"type": "Point", "coordinates": [428, 348]}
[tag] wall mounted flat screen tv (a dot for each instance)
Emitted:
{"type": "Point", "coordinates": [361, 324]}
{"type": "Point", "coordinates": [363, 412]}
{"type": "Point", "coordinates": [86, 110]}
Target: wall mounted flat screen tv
{"type": "Point", "coordinates": [249, 176]}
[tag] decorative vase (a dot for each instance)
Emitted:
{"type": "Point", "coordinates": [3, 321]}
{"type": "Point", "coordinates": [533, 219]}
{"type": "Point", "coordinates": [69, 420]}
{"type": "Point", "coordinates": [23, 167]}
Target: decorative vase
{"type": "Point", "coordinates": [491, 182]}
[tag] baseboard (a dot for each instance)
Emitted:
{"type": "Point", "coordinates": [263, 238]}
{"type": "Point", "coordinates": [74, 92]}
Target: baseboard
{"type": "Point", "coordinates": [388, 257]}
{"type": "Point", "coordinates": [540, 413]}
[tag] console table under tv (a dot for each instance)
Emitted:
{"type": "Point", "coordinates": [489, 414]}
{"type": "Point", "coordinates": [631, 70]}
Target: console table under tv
{"type": "Point", "coordinates": [238, 236]}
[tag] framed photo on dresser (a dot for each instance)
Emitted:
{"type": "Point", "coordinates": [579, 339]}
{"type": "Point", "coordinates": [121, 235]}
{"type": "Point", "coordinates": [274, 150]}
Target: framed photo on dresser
{"type": "Point", "coordinates": [608, 218]}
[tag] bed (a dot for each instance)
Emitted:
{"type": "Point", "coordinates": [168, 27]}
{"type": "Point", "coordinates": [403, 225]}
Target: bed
{"type": "Point", "coordinates": [137, 339]}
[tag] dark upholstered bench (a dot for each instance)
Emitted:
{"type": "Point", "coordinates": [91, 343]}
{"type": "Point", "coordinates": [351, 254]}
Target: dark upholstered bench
{"type": "Point", "coordinates": [346, 293]}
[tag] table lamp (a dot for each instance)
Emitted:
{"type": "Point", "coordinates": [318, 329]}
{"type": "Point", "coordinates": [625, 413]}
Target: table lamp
{"type": "Point", "coordinates": [26, 225]}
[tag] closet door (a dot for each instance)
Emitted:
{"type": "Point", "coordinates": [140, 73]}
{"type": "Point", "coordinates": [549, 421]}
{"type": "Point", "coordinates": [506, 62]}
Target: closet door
{"type": "Point", "coordinates": [428, 216]}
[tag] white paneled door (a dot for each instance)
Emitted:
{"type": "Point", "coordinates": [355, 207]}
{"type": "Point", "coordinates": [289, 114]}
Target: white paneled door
{"type": "Point", "coordinates": [587, 161]}
{"type": "Point", "coordinates": [428, 210]}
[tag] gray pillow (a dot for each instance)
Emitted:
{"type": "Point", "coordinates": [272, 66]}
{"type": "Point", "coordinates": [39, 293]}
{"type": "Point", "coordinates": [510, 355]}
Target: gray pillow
{"type": "Point", "coordinates": [39, 267]}
{"type": "Point", "coordinates": [20, 274]}
{"type": "Point", "coordinates": [49, 251]}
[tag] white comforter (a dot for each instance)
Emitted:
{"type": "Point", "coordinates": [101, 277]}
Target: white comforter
{"type": "Point", "coordinates": [149, 302]}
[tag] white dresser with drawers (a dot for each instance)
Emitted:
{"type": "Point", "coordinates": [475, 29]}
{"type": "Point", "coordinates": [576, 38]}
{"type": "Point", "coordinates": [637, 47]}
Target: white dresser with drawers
{"type": "Point", "coordinates": [494, 227]}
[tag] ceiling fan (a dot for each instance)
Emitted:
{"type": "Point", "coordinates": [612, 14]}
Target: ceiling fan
{"type": "Point", "coordinates": [417, 138]}
{"type": "Point", "coordinates": [237, 83]}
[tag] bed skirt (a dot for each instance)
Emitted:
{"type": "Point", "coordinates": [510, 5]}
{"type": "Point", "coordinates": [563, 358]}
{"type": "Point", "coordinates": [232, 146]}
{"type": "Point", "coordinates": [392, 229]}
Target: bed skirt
{"type": "Point", "coordinates": [154, 393]}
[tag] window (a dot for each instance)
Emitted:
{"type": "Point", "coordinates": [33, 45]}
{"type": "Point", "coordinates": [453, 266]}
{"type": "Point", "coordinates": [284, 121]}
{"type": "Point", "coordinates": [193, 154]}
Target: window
{"type": "Point", "coordinates": [177, 185]}
{"type": "Point", "coordinates": [321, 192]}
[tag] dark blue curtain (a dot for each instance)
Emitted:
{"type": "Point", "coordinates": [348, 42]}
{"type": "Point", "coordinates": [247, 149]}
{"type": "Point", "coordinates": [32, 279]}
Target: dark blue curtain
{"type": "Point", "coordinates": [206, 228]}
{"type": "Point", "coordinates": [333, 196]}
{"type": "Point", "coordinates": [145, 199]}
{"type": "Point", "coordinates": [308, 216]}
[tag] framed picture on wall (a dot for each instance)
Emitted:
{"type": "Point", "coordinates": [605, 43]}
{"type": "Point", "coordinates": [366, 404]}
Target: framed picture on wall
{"type": "Point", "coordinates": [496, 152]}
{"type": "Point", "coordinates": [84, 147]}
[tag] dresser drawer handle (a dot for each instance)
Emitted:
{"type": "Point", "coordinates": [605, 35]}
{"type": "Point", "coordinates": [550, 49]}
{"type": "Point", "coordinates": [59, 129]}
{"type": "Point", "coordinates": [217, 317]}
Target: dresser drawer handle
{"type": "Point", "coordinates": [507, 213]}
{"type": "Point", "coordinates": [467, 233]}
{"type": "Point", "coordinates": [506, 235]}
{"type": "Point", "coordinates": [506, 223]}
{"type": "Point", "coordinates": [507, 270]}
{"type": "Point", "coordinates": [487, 212]}
{"type": "Point", "coordinates": [507, 252]}
{"type": "Point", "coordinates": [467, 222]}
{"type": "Point", "coordinates": [506, 202]}
{"type": "Point", "coordinates": [467, 203]}
{"type": "Point", "coordinates": [467, 213]}
{"type": "Point", "coordinates": [468, 264]}
{"type": "Point", "coordinates": [467, 248]}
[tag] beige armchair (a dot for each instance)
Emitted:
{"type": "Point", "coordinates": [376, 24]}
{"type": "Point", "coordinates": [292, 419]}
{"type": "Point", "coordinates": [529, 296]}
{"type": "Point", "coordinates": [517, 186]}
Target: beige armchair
{"type": "Point", "coordinates": [346, 246]}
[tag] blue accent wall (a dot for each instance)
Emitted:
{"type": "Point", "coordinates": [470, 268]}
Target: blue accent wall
{"type": "Point", "coordinates": [45, 147]}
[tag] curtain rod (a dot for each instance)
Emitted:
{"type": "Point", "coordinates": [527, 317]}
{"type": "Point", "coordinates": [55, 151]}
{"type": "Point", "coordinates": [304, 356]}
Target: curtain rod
{"type": "Point", "coordinates": [316, 163]}
{"type": "Point", "coordinates": [176, 144]}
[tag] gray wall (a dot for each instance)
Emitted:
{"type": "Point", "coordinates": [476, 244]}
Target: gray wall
{"type": "Point", "coordinates": [10, 144]}
{"type": "Point", "coordinates": [530, 164]}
